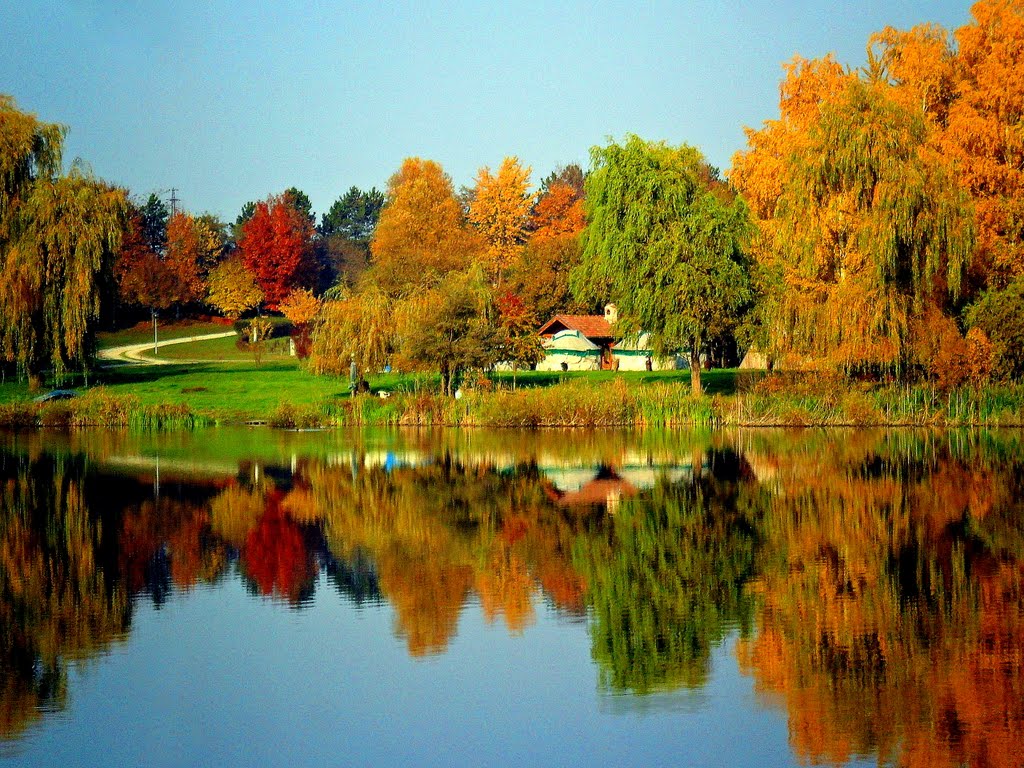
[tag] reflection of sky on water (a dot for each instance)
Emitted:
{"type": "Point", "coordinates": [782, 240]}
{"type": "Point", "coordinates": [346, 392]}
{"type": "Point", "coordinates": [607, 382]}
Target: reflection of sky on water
{"type": "Point", "coordinates": [253, 683]}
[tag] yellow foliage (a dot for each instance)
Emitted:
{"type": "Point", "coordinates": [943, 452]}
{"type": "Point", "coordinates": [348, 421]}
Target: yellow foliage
{"type": "Point", "coordinates": [300, 306]}
{"type": "Point", "coordinates": [501, 211]}
{"type": "Point", "coordinates": [232, 289]}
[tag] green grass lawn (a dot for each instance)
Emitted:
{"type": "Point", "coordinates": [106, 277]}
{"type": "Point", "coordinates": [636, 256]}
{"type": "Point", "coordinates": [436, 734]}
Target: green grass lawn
{"type": "Point", "coordinates": [227, 391]}
{"type": "Point", "coordinates": [229, 386]}
{"type": "Point", "coordinates": [143, 332]}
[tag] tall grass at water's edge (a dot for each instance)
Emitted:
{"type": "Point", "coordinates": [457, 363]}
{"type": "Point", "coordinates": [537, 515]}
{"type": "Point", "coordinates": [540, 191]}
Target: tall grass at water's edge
{"type": "Point", "coordinates": [570, 404]}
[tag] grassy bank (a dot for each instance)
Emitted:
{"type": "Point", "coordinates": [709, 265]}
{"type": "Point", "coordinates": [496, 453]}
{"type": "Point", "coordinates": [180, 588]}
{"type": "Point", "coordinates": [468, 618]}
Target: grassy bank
{"type": "Point", "coordinates": [284, 396]}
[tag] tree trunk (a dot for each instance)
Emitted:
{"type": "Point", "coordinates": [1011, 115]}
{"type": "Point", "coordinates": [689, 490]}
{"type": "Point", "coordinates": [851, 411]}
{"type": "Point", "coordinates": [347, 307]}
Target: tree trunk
{"type": "Point", "coordinates": [695, 387]}
{"type": "Point", "coordinates": [156, 350]}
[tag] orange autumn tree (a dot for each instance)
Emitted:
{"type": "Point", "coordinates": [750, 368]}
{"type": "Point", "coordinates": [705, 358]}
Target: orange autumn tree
{"type": "Point", "coordinates": [971, 90]}
{"type": "Point", "coordinates": [862, 226]}
{"type": "Point", "coordinates": [183, 257]}
{"type": "Point", "coordinates": [421, 234]}
{"type": "Point", "coordinates": [301, 308]}
{"type": "Point", "coordinates": [985, 132]}
{"type": "Point", "coordinates": [500, 209]}
{"type": "Point", "coordinates": [539, 276]}
{"type": "Point", "coordinates": [159, 280]}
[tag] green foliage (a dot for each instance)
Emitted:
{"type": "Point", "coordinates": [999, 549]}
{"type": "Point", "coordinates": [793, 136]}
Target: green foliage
{"type": "Point", "coordinates": [667, 584]}
{"type": "Point", "coordinates": [571, 175]}
{"type": "Point", "coordinates": [154, 215]}
{"type": "Point", "coordinates": [449, 328]}
{"type": "Point", "coordinates": [353, 215]}
{"type": "Point", "coordinates": [665, 241]}
{"type": "Point", "coordinates": [247, 212]}
{"type": "Point", "coordinates": [1000, 314]}
{"type": "Point", "coordinates": [300, 201]}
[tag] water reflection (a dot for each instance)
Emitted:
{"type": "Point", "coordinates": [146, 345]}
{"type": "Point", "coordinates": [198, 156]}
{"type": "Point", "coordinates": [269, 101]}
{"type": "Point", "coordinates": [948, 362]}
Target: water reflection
{"type": "Point", "coordinates": [874, 580]}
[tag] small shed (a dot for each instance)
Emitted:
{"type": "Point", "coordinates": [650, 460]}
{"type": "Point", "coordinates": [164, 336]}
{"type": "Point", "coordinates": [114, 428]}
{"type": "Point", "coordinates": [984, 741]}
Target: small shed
{"type": "Point", "coordinates": [633, 353]}
{"type": "Point", "coordinates": [569, 350]}
{"type": "Point", "coordinates": [595, 329]}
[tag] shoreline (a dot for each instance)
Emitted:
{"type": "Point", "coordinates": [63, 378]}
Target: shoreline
{"type": "Point", "coordinates": [559, 406]}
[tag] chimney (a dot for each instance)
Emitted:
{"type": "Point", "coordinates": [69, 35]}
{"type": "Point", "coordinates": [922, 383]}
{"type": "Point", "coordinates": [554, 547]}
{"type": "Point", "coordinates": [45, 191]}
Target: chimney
{"type": "Point", "coordinates": [611, 313]}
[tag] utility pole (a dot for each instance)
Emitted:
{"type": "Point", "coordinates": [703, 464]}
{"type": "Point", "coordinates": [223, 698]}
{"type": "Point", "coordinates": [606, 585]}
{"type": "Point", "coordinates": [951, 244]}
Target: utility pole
{"type": "Point", "coordinates": [174, 201]}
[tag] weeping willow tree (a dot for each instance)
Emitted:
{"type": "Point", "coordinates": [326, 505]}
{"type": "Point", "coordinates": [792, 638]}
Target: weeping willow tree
{"type": "Point", "coordinates": [870, 231]}
{"type": "Point", "coordinates": [667, 581]}
{"type": "Point", "coordinates": [58, 235]}
{"type": "Point", "coordinates": [665, 240]}
{"type": "Point", "coordinates": [353, 327]}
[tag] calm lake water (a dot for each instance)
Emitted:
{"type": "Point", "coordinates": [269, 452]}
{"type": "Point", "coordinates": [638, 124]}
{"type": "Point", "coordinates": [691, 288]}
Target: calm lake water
{"type": "Point", "coordinates": [236, 597]}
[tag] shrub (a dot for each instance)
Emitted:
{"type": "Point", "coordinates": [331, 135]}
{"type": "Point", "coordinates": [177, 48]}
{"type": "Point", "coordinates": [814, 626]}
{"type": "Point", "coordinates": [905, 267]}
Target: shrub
{"type": "Point", "coordinates": [1000, 314]}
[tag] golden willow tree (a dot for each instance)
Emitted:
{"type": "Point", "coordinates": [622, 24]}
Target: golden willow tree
{"type": "Point", "coordinates": [58, 235]}
{"type": "Point", "coordinates": [863, 227]}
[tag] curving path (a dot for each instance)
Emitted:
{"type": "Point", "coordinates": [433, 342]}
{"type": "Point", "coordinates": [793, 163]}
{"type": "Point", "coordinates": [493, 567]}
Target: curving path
{"type": "Point", "coordinates": [132, 354]}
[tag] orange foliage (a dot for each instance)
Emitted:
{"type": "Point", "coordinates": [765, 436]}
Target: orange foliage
{"type": "Point", "coordinates": [558, 213]}
{"type": "Point", "coordinates": [300, 306]}
{"type": "Point", "coordinates": [428, 598]}
{"type": "Point", "coordinates": [184, 254]}
{"type": "Point", "coordinates": [501, 211]}
{"type": "Point", "coordinates": [876, 569]}
{"type": "Point", "coordinates": [983, 132]}
{"type": "Point", "coordinates": [421, 234]}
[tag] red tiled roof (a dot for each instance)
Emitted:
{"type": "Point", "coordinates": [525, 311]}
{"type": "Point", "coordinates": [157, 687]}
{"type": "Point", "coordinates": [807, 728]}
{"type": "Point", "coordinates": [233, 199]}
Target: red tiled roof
{"type": "Point", "coordinates": [591, 326]}
{"type": "Point", "coordinates": [598, 492]}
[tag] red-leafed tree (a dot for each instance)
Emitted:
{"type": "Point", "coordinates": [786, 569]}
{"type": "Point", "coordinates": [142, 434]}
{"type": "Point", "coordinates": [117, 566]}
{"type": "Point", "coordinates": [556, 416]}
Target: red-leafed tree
{"type": "Point", "coordinates": [517, 324]}
{"type": "Point", "coordinates": [275, 556]}
{"type": "Point", "coordinates": [155, 280]}
{"type": "Point", "coordinates": [277, 248]}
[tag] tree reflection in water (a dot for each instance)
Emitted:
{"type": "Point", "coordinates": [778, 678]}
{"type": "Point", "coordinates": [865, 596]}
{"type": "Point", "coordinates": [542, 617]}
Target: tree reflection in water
{"type": "Point", "coordinates": [874, 579]}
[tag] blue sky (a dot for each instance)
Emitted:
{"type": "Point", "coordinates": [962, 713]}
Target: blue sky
{"type": "Point", "coordinates": [231, 101]}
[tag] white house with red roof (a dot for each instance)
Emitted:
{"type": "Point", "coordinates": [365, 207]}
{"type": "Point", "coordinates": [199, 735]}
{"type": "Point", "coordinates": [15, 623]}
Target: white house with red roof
{"type": "Point", "coordinates": [589, 343]}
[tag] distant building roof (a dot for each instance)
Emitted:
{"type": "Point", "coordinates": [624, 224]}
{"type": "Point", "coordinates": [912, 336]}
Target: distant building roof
{"type": "Point", "coordinates": [591, 326]}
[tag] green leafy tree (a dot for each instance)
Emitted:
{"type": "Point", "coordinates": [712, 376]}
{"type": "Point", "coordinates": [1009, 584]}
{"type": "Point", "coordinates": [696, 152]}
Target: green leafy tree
{"type": "Point", "coordinates": [570, 175]}
{"type": "Point", "coordinates": [665, 241]}
{"type": "Point", "coordinates": [1000, 314]}
{"type": "Point", "coordinates": [247, 212]}
{"type": "Point", "coordinates": [345, 233]}
{"type": "Point", "coordinates": [300, 201]}
{"type": "Point", "coordinates": [448, 328]}
{"type": "Point", "coordinates": [667, 583]}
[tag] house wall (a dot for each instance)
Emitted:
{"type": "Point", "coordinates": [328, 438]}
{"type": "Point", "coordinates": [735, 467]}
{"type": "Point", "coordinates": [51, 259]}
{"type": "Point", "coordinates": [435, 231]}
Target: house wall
{"type": "Point", "coordinates": [636, 360]}
{"type": "Point", "coordinates": [575, 360]}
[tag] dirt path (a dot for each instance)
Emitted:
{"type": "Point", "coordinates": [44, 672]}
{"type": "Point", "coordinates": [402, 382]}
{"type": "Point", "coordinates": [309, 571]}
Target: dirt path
{"type": "Point", "coordinates": [132, 354]}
